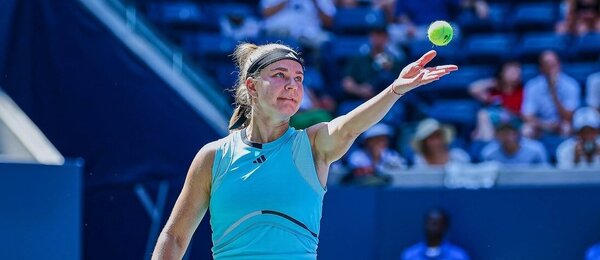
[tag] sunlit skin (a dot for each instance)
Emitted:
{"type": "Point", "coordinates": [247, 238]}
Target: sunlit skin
{"type": "Point", "coordinates": [276, 94]}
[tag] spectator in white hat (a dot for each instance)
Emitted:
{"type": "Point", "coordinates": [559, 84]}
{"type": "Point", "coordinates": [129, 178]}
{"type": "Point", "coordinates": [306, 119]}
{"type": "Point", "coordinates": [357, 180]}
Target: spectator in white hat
{"type": "Point", "coordinates": [583, 150]}
{"type": "Point", "coordinates": [431, 145]}
{"type": "Point", "coordinates": [375, 156]}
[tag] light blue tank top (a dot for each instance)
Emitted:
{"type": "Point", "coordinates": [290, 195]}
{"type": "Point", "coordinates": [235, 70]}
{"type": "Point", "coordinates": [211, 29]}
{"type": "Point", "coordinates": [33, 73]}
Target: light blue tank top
{"type": "Point", "coordinates": [266, 199]}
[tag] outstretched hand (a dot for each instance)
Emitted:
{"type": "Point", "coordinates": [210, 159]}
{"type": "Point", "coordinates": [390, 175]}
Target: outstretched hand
{"type": "Point", "coordinates": [416, 74]}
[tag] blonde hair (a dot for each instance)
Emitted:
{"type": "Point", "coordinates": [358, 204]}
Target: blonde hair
{"type": "Point", "coordinates": [244, 55]}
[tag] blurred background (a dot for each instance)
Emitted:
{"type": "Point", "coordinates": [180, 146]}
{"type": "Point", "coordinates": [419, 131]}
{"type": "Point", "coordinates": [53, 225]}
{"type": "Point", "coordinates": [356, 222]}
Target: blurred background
{"type": "Point", "coordinates": [104, 103]}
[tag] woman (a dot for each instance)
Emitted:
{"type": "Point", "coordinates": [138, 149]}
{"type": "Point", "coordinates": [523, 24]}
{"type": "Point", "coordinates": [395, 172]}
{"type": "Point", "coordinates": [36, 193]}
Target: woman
{"type": "Point", "coordinates": [264, 183]}
{"type": "Point", "coordinates": [502, 97]}
{"type": "Point", "coordinates": [431, 143]}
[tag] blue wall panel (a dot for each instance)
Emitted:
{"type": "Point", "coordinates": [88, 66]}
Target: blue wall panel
{"type": "Point", "coordinates": [40, 211]}
{"type": "Point", "coordinates": [500, 223]}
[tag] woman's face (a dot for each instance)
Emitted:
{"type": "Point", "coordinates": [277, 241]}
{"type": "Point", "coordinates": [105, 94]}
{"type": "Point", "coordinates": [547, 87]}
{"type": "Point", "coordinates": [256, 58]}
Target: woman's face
{"type": "Point", "coordinates": [435, 141]}
{"type": "Point", "coordinates": [511, 74]}
{"type": "Point", "coordinates": [279, 90]}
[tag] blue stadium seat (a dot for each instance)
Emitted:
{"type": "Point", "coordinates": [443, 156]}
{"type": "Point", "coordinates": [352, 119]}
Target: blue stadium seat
{"type": "Point", "coordinates": [226, 75]}
{"type": "Point", "coordinates": [461, 113]}
{"type": "Point", "coordinates": [455, 85]}
{"type": "Point", "coordinates": [209, 47]}
{"type": "Point", "coordinates": [291, 42]}
{"type": "Point", "coordinates": [214, 12]}
{"type": "Point", "coordinates": [529, 71]}
{"type": "Point", "coordinates": [342, 48]}
{"type": "Point", "coordinates": [475, 150]}
{"type": "Point", "coordinates": [180, 14]}
{"type": "Point", "coordinates": [587, 47]}
{"type": "Point", "coordinates": [531, 45]}
{"type": "Point", "coordinates": [580, 71]}
{"type": "Point", "coordinates": [357, 20]}
{"type": "Point", "coordinates": [534, 16]}
{"type": "Point", "coordinates": [313, 79]}
{"type": "Point", "coordinates": [447, 54]}
{"type": "Point", "coordinates": [471, 24]}
{"type": "Point", "coordinates": [222, 9]}
{"type": "Point", "coordinates": [489, 48]}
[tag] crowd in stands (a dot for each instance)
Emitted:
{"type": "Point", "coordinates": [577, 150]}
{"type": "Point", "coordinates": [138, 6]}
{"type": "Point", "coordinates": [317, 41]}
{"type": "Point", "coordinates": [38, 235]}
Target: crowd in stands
{"type": "Point", "coordinates": [540, 107]}
{"type": "Point", "coordinates": [527, 92]}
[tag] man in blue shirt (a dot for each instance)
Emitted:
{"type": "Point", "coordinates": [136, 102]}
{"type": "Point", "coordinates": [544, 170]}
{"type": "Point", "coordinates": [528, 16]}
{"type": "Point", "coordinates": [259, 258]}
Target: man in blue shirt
{"type": "Point", "coordinates": [510, 148]}
{"type": "Point", "coordinates": [434, 246]}
{"type": "Point", "coordinates": [549, 99]}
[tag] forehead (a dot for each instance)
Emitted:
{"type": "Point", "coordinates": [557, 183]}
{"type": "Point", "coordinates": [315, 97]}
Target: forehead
{"type": "Point", "coordinates": [289, 65]}
{"type": "Point", "coordinates": [549, 56]}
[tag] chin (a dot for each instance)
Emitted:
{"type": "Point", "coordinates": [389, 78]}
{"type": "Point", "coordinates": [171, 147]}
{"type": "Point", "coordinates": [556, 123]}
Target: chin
{"type": "Point", "coordinates": [288, 110]}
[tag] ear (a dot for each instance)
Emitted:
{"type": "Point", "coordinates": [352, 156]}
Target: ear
{"type": "Point", "coordinates": [251, 86]}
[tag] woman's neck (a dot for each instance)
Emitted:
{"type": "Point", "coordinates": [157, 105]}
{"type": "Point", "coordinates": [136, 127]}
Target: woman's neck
{"type": "Point", "coordinates": [264, 131]}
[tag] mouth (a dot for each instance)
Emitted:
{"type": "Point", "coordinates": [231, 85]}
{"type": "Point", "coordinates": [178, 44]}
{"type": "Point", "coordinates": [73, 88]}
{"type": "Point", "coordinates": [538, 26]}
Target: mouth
{"type": "Point", "coordinates": [287, 99]}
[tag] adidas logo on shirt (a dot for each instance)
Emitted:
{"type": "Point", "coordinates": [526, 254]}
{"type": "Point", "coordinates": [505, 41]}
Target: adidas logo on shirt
{"type": "Point", "coordinates": [260, 159]}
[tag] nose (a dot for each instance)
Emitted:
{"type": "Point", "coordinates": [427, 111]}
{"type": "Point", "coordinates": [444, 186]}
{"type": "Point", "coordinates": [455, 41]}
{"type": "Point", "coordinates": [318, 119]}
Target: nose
{"type": "Point", "coordinates": [292, 84]}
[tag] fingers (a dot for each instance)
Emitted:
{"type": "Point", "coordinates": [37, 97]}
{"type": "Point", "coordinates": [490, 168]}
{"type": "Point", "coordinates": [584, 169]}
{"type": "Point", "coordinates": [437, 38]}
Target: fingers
{"type": "Point", "coordinates": [426, 58]}
{"type": "Point", "coordinates": [432, 75]}
{"type": "Point", "coordinates": [446, 67]}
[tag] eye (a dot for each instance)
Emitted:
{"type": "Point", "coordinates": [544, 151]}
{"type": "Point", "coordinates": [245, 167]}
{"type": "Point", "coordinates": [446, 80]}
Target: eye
{"type": "Point", "coordinates": [279, 75]}
{"type": "Point", "coordinates": [298, 79]}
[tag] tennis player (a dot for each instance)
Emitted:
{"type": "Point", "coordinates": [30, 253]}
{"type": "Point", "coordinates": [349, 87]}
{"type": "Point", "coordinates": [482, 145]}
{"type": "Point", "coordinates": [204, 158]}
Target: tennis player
{"type": "Point", "coordinates": [264, 182]}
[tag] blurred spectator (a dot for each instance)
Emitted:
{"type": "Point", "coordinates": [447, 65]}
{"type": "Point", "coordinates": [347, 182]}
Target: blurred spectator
{"type": "Point", "coordinates": [479, 7]}
{"type": "Point", "coordinates": [435, 247]}
{"type": "Point", "coordinates": [593, 253]}
{"type": "Point", "coordinates": [366, 75]}
{"type": "Point", "coordinates": [582, 16]}
{"type": "Point", "coordinates": [239, 26]}
{"type": "Point", "coordinates": [593, 91]}
{"type": "Point", "coordinates": [502, 94]}
{"type": "Point", "coordinates": [510, 148]}
{"type": "Point", "coordinates": [549, 99]}
{"type": "Point", "coordinates": [584, 149]}
{"type": "Point", "coordinates": [300, 19]}
{"type": "Point", "coordinates": [431, 145]}
{"type": "Point", "coordinates": [375, 155]}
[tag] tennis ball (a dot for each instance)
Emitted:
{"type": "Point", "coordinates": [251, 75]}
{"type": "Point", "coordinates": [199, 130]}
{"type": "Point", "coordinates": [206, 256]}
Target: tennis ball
{"type": "Point", "coordinates": [440, 33]}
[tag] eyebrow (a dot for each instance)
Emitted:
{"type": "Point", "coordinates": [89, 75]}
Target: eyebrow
{"type": "Point", "coordinates": [284, 69]}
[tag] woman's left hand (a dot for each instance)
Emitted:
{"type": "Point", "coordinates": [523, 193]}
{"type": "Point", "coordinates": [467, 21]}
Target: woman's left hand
{"type": "Point", "coordinates": [416, 74]}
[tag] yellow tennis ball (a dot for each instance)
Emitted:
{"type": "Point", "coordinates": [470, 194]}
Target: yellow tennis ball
{"type": "Point", "coordinates": [440, 33]}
